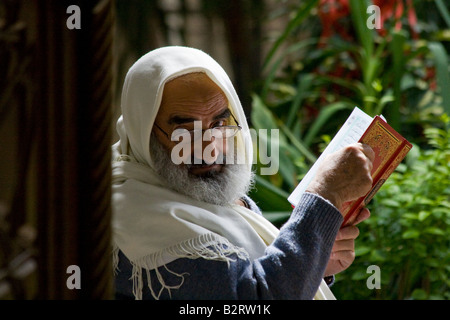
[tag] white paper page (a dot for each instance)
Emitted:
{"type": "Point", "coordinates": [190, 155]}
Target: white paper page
{"type": "Point", "coordinates": [352, 130]}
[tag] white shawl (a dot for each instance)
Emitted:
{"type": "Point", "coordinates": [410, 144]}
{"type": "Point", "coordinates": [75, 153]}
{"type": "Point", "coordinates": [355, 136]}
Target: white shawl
{"type": "Point", "coordinates": [153, 225]}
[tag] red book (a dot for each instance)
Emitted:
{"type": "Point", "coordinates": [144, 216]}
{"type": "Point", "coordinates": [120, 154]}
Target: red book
{"type": "Point", "coordinates": [390, 149]}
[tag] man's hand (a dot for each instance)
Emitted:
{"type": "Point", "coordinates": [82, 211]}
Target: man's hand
{"type": "Point", "coordinates": [344, 175]}
{"type": "Point", "coordinates": [343, 252]}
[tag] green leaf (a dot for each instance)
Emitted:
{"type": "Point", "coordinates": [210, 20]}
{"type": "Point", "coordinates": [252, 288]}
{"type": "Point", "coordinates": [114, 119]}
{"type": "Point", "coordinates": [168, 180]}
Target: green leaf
{"type": "Point", "coordinates": [277, 218]}
{"type": "Point", "coordinates": [443, 76]}
{"type": "Point", "coordinates": [410, 234]}
{"type": "Point", "coordinates": [325, 114]}
{"type": "Point", "coordinates": [445, 204]}
{"type": "Point", "coordinates": [397, 45]}
{"type": "Point", "coordinates": [286, 165]}
{"type": "Point", "coordinates": [434, 263]}
{"type": "Point", "coordinates": [298, 143]}
{"type": "Point", "coordinates": [359, 17]}
{"type": "Point", "coordinates": [355, 85]}
{"type": "Point", "coordinates": [444, 12]}
{"type": "Point", "coordinates": [412, 216]}
{"type": "Point", "coordinates": [300, 15]}
{"type": "Point", "coordinates": [419, 294]}
{"type": "Point", "coordinates": [359, 275]}
{"type": "Point", "coordinates": [377, 255]}
{"type": "Point", "coordinates": [425, 201]}
{"type": "Point", "coordinates": [435, 231]}
{"type": "Point", "coordinates": [362, 250]}
{"type": "Point", "coordinates": [269, 197]}
{"type": "Point", "coordinates": [420, 249]}
{"type": "Point", "coordinates": [262, 118]}
{"type": "Point", "coordinates": [390, 203]}
{"type": "Point", "coordinates": [423, 215]}
{"type": "Point", "coordinates": [277, 64]}
{"type": "Point", "coordinates": [304, 83]}
{"type": "Point", "coordinates": [405, 197]}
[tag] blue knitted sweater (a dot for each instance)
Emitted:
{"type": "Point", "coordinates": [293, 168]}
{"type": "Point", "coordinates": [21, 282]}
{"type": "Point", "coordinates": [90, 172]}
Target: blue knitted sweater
{"type": "Point", "coordinates": [292, 267]}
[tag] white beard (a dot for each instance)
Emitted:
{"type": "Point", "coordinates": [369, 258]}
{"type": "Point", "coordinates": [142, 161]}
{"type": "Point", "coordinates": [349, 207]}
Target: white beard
{"type": "Point", "coordinates": [217, 187]}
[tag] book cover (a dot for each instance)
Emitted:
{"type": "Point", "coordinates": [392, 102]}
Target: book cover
{"type": "Point", "coordinates": [390, 149]}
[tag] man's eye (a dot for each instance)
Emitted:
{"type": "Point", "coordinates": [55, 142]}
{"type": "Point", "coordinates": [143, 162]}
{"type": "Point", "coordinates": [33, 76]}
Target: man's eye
{"type": "Point", "coordinates": [220, 123]}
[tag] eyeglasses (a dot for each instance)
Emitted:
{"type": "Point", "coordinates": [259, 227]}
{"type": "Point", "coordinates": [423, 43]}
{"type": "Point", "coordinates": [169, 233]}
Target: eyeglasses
{"type": "Point", "coordinates": [219, 132]}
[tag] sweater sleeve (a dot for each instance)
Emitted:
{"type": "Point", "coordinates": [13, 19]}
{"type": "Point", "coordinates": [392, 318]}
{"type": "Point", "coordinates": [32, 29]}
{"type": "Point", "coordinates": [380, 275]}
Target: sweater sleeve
{"type": "Point", "coordinates": [291, 268]}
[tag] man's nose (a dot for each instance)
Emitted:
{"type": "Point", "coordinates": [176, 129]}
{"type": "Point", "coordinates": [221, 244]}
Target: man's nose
{"type": "Point", "coordinates": [207, 149]}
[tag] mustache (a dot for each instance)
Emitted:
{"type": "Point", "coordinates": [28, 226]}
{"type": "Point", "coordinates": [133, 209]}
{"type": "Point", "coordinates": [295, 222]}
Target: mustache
{"type": "Point", "coordinates": [197, 162]}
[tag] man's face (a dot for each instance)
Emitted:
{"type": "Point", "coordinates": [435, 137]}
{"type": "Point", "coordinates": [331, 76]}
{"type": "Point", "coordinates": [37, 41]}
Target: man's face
{"type": "Point", "coordinates": [190, 98]}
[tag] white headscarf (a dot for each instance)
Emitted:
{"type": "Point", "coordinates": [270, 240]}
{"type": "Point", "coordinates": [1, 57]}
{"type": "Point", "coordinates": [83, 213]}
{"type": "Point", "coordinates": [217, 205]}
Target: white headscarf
{"type": "Point", "coordinates": [153, 225]}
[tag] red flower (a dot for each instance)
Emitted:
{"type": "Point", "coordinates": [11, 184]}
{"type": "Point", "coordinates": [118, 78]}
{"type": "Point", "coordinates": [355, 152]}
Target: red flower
{"type": "Point", "coordinates": [334, 13]}
{"type": "Point", "coordinates": [396, 9]}
{"type": "Point", "coordinates": [430, 77]}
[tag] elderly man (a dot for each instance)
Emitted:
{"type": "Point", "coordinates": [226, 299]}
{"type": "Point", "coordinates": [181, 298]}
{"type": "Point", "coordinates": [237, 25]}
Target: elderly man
{"type": "Point", "coordinates": [184, 227]}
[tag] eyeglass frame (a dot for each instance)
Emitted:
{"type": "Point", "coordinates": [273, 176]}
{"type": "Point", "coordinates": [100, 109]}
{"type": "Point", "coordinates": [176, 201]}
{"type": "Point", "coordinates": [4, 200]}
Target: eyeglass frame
{"type": "Point", "coordinates": [239, 127]}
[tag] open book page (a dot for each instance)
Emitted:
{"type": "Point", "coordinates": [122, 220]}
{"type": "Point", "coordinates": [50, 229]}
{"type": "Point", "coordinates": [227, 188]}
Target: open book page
{"type": "Point", "coordinates": [352, 130]}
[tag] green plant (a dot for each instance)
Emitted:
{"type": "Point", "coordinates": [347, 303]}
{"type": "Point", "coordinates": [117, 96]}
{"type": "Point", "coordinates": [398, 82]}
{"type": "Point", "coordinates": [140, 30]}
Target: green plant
{"type": "Point", "coordinates": [395, 70]}
{"type": "Point", "coordinates": [408, 233]}
{"type": "Point", "coordinates": [312, 82]}
{"type": "Point", "coordinates": [310, 87]}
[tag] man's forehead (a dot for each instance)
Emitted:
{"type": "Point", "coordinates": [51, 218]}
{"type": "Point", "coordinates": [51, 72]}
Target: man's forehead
{"type": "Point", "coordinates": [192, 95]}
{"type": "Point", "coordinates": [190, 77]}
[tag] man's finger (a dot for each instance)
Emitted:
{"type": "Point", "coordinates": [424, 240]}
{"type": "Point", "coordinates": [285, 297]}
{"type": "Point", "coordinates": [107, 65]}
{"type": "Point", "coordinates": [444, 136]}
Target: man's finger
{"type": "Point", "coordinates": [344, 245]}
{"type": "Point", "coordinates": [345, 257]}
{"type": "Point", "coordinates": [347, 233]}
{"type": "Point", "coordinates": [368, 151]}
{"type": "Point", "coordinates": [362, 215]}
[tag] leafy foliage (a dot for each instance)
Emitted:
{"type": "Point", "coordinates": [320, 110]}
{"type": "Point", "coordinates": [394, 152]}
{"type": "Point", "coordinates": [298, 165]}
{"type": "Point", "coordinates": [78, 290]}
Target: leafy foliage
{"type": "Point", "coordinates": [408, 233]}
{"type": "Point", "coordinates": [312, 83]}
